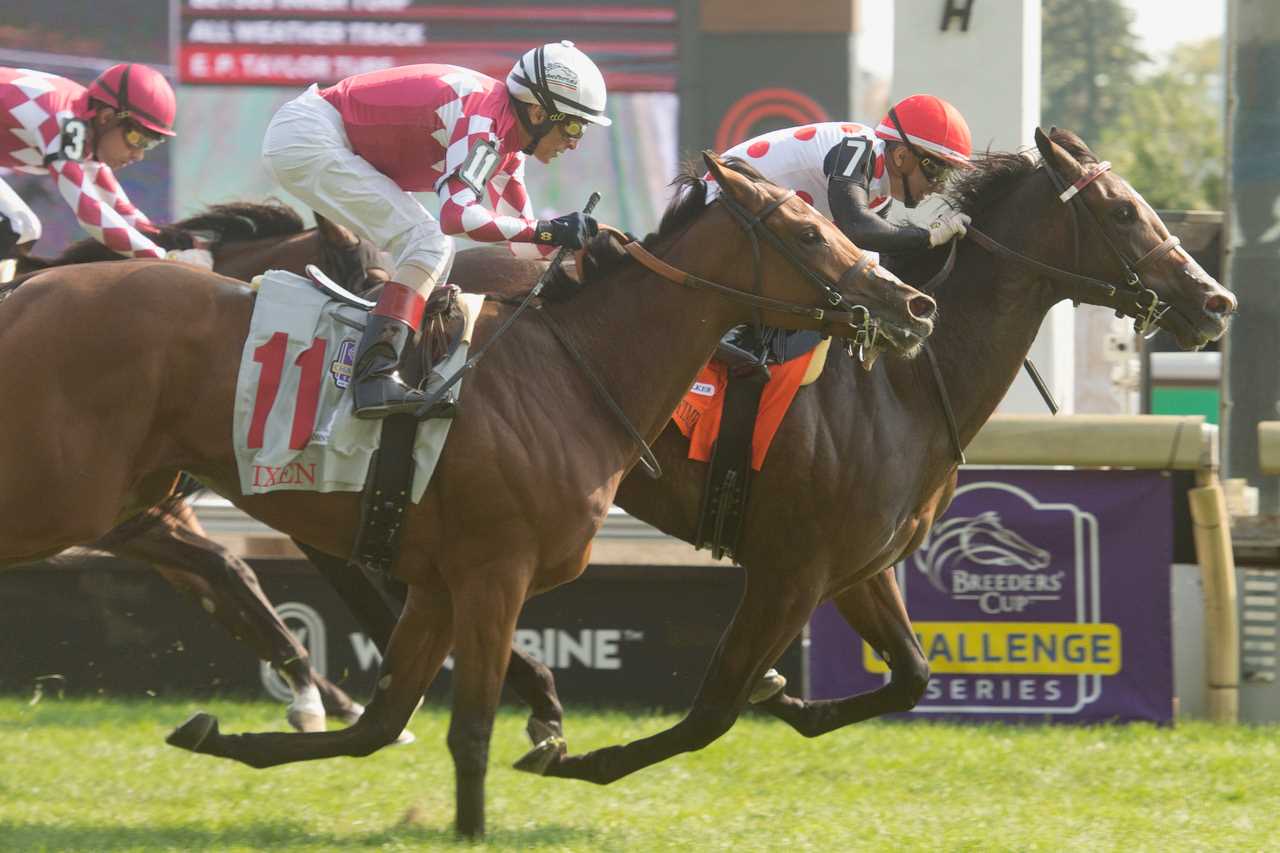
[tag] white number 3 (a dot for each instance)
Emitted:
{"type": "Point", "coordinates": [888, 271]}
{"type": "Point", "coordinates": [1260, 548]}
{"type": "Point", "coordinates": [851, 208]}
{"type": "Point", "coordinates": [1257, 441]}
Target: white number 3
{"type": "Point", "coordinates": [74, 134]}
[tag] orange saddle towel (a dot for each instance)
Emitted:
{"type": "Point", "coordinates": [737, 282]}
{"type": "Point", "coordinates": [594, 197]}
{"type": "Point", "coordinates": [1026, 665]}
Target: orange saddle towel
{"type": "Point", "coordinates": [698, 414]}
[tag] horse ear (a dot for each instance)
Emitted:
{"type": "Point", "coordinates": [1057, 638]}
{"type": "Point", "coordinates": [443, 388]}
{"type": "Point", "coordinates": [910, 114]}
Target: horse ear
{"type": "Point", "coordinates": [729, 180]}
{"type": "Point", "coordinates": [338, 235]}
{"type": "Point", "coordinates": [1055, 155]}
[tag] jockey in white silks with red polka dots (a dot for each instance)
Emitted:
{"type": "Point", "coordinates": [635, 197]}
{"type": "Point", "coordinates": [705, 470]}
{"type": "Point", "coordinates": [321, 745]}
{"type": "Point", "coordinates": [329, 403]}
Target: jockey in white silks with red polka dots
{"type": "Point", "coordinates": [78, 136]}
{"type": "Point", "coordinates": [354, 152]}
{"type": "Point", "coordinates": [852, 174]}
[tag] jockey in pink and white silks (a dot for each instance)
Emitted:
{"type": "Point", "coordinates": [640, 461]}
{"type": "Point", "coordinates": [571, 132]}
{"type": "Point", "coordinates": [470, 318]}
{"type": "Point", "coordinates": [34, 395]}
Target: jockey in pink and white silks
{"type": "Point", "coordinates": [52, 125]}
{"type": "Point", "coordinates": [852, 174]}
{"type": "Point", "coordinates": [354, 152]}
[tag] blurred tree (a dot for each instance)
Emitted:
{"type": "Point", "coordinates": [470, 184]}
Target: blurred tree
{"type": "Point", "coordinates": [1169, 142]}
{"type": "Point", "coordinates": [1089, 64]}
{"type": "Point", "coordinates": [1162, 127]}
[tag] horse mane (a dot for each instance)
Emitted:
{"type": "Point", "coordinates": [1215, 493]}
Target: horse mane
{"type": "Point", "coordinates": [688, 201]}
{"type": "Point", "coordinates": [228, 223]}
{"type": "Point", "coordinates": [995, 174]}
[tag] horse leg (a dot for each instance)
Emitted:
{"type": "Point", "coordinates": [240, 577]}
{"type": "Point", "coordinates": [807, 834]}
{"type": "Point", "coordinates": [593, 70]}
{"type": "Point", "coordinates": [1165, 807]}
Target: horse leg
{"type": "Point", "coordinates": [486, 607]}
{"type": "Point", "coordinates": [227, 588]}
{"type": "Point", "coordinates": [419, 644]}
{"type": "Point", "coordinates": [771, 614]}
{"type": "Point", "coordinates": [876, 611]}
{"type": "Point", "coordinates": [375, 604]}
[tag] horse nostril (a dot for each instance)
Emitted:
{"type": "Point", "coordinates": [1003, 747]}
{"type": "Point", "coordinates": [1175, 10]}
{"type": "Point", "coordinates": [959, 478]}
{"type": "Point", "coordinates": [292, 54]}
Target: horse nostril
{"type": "Point", "coordinates": [1220, 303]}
{"type": "Point", "coordinates": [922, 307]}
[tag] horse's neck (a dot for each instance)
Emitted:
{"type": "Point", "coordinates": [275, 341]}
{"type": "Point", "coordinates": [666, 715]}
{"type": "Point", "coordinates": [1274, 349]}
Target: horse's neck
{"type": "Point", "coordinates": [647, 337]}
{"type": "Point", "coordinates": [989, 314]}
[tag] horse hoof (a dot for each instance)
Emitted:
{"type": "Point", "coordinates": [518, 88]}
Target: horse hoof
{"type": "Point", "coordinates": [306, 721]}
{"type": "Point", "coordinates": [771, 684]}
{"type": "Point", "coordinates": [538, 759]}
{"type": "Point", "coordinates": [350, 715]}
{"type": "Point", "coordinates": [194, 732]}
{"type": "Point", "coordinates": [539, 730]}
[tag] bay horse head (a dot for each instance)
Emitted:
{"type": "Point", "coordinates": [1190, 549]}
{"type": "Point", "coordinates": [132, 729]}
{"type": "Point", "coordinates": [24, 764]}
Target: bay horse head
{"type": "Point", "coordinates": [863, 301]}
{"type": "Point", "coordinates": [1121, 241]}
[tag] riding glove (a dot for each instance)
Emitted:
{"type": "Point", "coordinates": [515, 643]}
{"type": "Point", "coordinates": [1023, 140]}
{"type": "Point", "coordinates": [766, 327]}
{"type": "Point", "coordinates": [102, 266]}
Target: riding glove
{"type": "Point", "coordinates": [572, 230]}
{"type": "Point", "coordinates": [935, 214]}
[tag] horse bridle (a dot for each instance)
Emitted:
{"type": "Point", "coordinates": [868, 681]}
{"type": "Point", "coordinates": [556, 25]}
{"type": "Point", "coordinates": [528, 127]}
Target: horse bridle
{"type": "Point", "coordinates": [1137, 301]}
{"type": "Point", "coordinates": [866, 329]}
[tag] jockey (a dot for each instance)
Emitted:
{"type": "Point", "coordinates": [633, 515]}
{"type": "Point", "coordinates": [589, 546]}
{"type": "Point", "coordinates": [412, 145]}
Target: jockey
{"type": "Point", "coordinates": [852, 174]}
{"type": "Point", "coordinates": [79, 136]}
{"type": "Point", "coordinates": [355, 151]}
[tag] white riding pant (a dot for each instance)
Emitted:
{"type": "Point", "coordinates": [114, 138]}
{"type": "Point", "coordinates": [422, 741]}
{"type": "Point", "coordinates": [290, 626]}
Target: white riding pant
{"type": "Point", "coordinates": [22, 219]}
{"type": "Point", "coordinates": [307, 148]}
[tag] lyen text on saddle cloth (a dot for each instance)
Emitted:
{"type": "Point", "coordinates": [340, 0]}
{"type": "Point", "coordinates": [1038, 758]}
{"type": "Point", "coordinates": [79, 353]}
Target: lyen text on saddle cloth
{"type": "Point", "coordinates": [293, 427]}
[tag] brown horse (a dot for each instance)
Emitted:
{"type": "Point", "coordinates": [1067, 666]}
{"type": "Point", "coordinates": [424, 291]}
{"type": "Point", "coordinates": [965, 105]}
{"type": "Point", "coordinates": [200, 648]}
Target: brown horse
{"type": "Point", "coordinates": [105, 423]}
{"type": "Point", "coordinates": [246, 239]}
{"type": "Point", "coordinates": [863, 462]}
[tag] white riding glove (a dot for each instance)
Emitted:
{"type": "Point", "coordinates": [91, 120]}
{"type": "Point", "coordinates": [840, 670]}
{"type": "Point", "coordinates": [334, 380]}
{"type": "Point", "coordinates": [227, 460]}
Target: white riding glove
{"type": "Point", "coordinates": [936, 215]}
{"type": "Point", "coordinates": [195, 257]}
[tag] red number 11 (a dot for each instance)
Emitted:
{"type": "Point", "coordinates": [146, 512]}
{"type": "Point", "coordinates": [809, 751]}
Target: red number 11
{"type": "Point", "coordinates": [271, 356]}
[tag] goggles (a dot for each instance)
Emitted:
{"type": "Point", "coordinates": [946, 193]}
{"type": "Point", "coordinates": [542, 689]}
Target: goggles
{"type": "Point", "coordinates": [935, 171]}
{"type": "Point", "coordinates": [571, 126]}
{"type": "Point", "coordinates": [139, 138]}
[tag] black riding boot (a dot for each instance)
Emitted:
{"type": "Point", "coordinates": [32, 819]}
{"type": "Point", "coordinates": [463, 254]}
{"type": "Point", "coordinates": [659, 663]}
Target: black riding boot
{"type": "Point", "coordinates": [376, 386]}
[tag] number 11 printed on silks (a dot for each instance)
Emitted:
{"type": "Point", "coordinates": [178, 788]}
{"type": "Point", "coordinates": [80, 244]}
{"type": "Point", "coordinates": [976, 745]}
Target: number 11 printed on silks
{"type": "Point", "coordinates": [311, 362]}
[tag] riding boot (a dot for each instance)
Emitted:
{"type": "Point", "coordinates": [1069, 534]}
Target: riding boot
{"type": "Point", "coordinates": [376, 386]}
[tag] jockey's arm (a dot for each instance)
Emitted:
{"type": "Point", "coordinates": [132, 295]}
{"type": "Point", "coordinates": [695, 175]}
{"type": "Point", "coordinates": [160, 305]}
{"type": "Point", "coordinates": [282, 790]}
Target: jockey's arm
{"type": "Point", "coordinates": [97, 215]}
{"type": "Point", "coordinates": [112, 192]}
{"type": "Point", "coordinates": [850, 209]}
{"type": "Point", "coordinates": [462, 215]}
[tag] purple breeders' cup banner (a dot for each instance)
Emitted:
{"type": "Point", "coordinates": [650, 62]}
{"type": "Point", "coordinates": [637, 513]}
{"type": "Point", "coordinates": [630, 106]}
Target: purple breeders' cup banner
{"type": "Point", "coordinates": [1039, 595]}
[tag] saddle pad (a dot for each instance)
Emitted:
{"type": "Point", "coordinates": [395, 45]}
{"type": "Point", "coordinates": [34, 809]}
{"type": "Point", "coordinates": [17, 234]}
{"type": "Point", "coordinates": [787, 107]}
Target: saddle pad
{"type": "Point", "coordinates": [698, 415]}
{"type": "Point", "coordinates": [294, 428]}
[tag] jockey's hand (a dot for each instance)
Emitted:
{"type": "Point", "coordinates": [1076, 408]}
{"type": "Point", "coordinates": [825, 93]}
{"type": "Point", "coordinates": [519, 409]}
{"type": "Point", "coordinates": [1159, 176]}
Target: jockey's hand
{"type": "Point", "coordinates": [936, 215]}
{"type": "Point", "coordinates": [572, 230]}
{"type": "Point", "coordinates": [195, 257]}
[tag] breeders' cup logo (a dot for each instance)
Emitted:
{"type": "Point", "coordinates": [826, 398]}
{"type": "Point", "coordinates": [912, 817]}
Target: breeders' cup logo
{"type": "Point", "coordinates": [979, 558]}
{"type": "Point", "coordinates": [343, 365]}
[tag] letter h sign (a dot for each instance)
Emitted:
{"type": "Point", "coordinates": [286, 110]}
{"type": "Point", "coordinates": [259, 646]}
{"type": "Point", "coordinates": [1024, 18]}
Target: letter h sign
{"type": "Point", "coordinates": [960, 10]}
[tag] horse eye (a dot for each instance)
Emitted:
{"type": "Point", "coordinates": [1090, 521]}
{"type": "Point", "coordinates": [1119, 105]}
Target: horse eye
{"type": "Point", "coordinates": [812, 236]}
{"type": "Point", "coordinates": [1125, 214]}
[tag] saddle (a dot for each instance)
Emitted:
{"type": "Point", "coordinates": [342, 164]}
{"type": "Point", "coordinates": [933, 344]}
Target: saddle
{"type": "Point", "coordinates": [387, 489]}
{"type": "Point", "coordinates": [728, 484]}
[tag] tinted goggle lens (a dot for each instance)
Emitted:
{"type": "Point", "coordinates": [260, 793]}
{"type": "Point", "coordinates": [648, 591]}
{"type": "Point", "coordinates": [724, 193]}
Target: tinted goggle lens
{"type": "Point", "coordinates": [139, 138]}
{"type": "Point", "coordinates": [935, 170]}
{"type": "Point", "coordinates": [573, 128]}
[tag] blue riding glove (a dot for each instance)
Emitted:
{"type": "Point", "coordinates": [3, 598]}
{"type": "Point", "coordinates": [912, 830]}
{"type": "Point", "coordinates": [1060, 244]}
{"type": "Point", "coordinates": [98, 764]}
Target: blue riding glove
{"type": "Point", "coordinates": [572, 230]}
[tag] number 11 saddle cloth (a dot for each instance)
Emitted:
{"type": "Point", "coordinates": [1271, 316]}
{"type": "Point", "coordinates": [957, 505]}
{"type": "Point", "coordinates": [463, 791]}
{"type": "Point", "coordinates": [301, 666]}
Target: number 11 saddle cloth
{"type": "Point", "coordinates": [293, 427]}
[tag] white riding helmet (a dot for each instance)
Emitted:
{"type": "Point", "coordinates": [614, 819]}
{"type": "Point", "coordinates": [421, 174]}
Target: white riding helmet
{"type": "Point", "coordinates": [561, 79]}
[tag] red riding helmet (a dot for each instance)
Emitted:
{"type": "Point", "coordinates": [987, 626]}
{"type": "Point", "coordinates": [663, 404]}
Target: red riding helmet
{"type": "Point", "coordinates": [931, 124]}
{"type": "Point", "coordinates": [139, 93]}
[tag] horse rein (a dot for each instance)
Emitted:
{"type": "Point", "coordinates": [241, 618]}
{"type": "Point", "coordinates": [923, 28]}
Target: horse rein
{"type": "Point", "coordinates": [1146, 309]}
{"type": "Point", "coordinates": [866, 327]}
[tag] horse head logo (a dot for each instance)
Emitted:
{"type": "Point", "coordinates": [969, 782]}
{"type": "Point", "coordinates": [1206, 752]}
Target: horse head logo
{"type": "Point", "coordinates": [981, 540]}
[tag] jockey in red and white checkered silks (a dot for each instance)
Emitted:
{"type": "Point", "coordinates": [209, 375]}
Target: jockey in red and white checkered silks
{"type": "Point", "coordinates": [79, 136]}
{"type": "Point", "coordinates": [355, 151]}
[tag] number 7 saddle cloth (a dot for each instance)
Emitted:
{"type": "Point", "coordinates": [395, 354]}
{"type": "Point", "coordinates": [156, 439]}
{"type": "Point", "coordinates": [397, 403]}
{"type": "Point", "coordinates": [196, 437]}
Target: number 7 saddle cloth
{"type": "Point", "coordinates": [293, 427]}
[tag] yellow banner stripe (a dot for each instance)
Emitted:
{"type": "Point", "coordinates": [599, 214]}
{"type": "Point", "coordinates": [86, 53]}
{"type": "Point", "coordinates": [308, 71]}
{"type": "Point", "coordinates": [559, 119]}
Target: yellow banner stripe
{"type": "Point", "coordinates": [1015, 648]}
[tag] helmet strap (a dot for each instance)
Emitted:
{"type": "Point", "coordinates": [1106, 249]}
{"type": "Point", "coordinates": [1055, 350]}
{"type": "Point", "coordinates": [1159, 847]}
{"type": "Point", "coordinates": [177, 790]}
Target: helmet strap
{"type": "Point", "coordinates": [535, 131]}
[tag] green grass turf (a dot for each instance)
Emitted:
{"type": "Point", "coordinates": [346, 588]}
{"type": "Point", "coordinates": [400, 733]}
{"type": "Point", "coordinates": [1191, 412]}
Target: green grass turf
{"type": "Point", "coordinates": [96, 775]}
